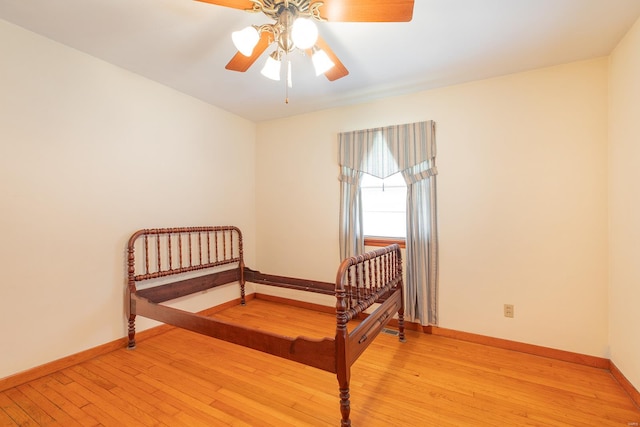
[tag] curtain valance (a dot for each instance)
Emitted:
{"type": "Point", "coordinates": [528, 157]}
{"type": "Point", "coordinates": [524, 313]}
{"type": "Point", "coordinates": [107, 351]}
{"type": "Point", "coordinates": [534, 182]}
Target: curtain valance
{"type": "Point", "coordinates": [384, 151]}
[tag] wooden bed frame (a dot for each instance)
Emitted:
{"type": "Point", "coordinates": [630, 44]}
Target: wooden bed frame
{"type": "Point", "coordinates": [362, 281]}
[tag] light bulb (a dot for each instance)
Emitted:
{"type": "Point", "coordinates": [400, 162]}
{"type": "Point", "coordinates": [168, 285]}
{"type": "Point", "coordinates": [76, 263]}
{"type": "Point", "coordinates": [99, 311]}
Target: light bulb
{"type": "Point", "coordinates": [271, 69]}
{"type": "Point", "coordinates": [321, 61]}
{"type": "Point", "coordinates": [245, 40]}
{"type": "Point", "coordinates": [304, 33]}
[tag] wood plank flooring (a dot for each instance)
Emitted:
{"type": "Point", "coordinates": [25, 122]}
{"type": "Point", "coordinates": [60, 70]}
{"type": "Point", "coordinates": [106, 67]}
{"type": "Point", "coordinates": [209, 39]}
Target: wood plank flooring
{"type": "Point", "coordinates": [181, 378]}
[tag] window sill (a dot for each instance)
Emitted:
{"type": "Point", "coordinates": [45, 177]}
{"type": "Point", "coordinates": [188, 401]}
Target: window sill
{"type": "Point", "coordinates": [384, 241]}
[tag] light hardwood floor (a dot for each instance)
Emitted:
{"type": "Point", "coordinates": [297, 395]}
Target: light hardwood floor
{"type": "Point", "coordinates": [181, 378]}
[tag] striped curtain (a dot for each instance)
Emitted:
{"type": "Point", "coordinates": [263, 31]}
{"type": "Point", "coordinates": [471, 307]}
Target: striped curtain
{"type": "Point", "coordinates": [381, 152]}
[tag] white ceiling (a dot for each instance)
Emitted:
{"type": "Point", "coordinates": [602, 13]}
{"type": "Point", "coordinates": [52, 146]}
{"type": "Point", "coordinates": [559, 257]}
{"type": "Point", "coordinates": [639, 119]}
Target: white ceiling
{"type": "Point", "coordinates": [185, 44]}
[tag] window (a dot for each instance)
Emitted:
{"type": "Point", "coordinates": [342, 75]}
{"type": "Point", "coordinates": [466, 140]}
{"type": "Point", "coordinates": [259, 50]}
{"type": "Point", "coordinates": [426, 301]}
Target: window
{"type": "Point", "coordinates": [411, 149]}
{"type": "Point", "coordinates": [384, 204]}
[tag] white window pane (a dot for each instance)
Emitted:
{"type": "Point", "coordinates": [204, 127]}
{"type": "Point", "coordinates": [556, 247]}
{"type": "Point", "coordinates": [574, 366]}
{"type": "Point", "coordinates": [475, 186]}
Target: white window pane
{"type": "Point", "coordinates": [385, 224]}
{"type": "Point", "coordinates": [384, 206]}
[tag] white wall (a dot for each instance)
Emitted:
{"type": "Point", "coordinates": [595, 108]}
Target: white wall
{"type": "Point", "coordinates": [522, 200]}
{"type": "Point", "coordinates": [89, 153]}
{"type": "Point", "coordinates": [624, 176]}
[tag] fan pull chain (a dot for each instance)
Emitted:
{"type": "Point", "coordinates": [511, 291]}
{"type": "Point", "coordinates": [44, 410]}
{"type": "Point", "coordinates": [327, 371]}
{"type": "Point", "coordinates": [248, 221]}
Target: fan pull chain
{"type": "Point", "coordinates": [289, 83]}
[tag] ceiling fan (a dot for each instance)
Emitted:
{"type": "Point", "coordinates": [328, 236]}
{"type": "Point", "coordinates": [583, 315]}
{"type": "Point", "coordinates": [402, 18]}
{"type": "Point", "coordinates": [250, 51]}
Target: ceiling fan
{"type": "Point", "coordinates": [294, 28]}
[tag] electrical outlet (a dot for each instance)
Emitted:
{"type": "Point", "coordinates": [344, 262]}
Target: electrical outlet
{"type": "Point", "coordinates": [508, 310]}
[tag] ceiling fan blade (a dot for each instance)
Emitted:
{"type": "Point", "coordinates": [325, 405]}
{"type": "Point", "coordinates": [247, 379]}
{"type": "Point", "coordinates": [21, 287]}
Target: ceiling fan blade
{"type": "Point", "coordinates": [242, 63]}
{"type": "Point", "coordinates": [338, 70]}
{"type": "Point", "coordinates": [366, 10]}
{"type": "Point", "coordinates": [235, 4]}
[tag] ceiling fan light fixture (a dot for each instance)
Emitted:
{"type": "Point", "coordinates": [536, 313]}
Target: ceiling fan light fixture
{"type": "Point", "coordinates": [321, 61]}
{"type": "Point", "coordinates": [271, 69]}
{"type": "Point", "coordinates": [245, 40]}
{"type": "Point", "coordinates": [304, 33]}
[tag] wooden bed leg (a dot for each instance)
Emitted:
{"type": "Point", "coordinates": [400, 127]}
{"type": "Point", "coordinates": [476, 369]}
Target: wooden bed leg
{"type": "Point", "coordinates": [345, 406]}
{"type": "Point", "coordinates": [242, 281]}
{"type": "Point", "coordinates": [401, 336]}
{"type": "Point", "coordinates": [344, 372]}
{"type": "Point", "coordinates": [132, 332]}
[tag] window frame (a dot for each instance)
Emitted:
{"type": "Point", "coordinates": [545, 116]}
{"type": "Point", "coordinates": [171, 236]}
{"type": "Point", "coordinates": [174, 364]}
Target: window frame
{"type": "Point", "coordinates": [378, 241]}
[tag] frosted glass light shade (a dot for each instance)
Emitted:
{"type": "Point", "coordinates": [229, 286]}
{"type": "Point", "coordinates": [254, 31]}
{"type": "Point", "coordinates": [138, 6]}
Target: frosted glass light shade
{"type": "Point", "coordinates": [304, 33]}
{"type": "Point", "coordinates": [245, 40]}
{"type": "Point", "coordinates": [321, 61]}
{"type": "Point", "coordinates": [271, 69]}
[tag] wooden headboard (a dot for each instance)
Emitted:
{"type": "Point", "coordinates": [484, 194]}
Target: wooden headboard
{"type": "Point", "coordinates": [160, 252]}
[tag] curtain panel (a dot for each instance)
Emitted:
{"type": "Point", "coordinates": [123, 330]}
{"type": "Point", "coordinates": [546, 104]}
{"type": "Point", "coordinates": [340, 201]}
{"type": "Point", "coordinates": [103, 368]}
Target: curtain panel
{"type": "Point", "coordinates": [381, 152]}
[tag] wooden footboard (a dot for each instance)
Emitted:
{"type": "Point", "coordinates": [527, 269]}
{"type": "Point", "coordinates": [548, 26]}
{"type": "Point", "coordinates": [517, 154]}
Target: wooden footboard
{"type": "Point", "coordinates": [361, 282]}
